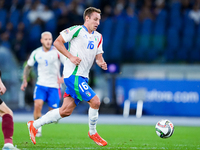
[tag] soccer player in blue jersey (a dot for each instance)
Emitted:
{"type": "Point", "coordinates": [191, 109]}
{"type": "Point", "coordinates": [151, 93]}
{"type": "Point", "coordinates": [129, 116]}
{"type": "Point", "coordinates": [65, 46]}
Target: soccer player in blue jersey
{"type": "Point", "coordinates": [7, 121]}
{"type": "Point", "coordinates": [47, 88]}
{"type": "Point", "coordinates": [85, 45]}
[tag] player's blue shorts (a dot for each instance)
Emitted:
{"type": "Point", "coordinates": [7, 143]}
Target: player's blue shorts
{"type": "Point", "coordinates": [47, 94]}
{"type": "Point", "coordinates": [78, 88]}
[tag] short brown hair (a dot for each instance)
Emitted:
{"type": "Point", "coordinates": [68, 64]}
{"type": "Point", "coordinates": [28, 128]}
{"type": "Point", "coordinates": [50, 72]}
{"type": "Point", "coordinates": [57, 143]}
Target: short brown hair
{"type": "Point", "coordinates": [88, 11]}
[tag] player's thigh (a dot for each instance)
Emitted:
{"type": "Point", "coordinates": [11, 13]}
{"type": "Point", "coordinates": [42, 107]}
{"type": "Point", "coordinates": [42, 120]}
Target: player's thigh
{"type": "Point", "coordinates": [53, 98]}
{"type": "Point", "coordinates": [67, 107]}
{"type": "Point", "coordinates": [4, 109]}
{"type": "Point", "coordinates": [79, 89]}
{"type": "Point", "coordinates": [85, 92]}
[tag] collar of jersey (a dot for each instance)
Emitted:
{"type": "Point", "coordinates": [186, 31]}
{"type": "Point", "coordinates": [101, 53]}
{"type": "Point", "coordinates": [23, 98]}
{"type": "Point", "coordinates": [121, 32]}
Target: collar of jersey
{"type": "Point", "coordinates": [49, 49]}
{"type": "Point", "coordinates": [87, 29]}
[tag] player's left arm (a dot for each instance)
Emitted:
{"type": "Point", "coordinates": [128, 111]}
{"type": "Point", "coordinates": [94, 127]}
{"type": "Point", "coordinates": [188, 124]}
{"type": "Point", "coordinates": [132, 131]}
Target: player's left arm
{"type": "Point", "coordinates": [99, 56]}
{"type": "Point", "coordinates": [60, 80]}
{"type": "Point", "coordinates": [2, 86]}
{"type": "Point", "coordinates": [101, 62]}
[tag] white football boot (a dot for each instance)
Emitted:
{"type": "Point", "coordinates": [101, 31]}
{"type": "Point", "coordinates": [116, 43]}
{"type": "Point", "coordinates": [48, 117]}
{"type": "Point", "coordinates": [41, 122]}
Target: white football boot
{"type": "Point", "coordinates": [9, 146]}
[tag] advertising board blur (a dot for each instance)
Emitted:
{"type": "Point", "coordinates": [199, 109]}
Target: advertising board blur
{"type": "Point", "coordinates": [160, 97]}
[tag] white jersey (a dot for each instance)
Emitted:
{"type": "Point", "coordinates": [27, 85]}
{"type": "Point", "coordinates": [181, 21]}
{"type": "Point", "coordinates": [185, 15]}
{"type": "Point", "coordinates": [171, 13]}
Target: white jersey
{"type": "Point", "coordinates": [83, 45]}
{"type": "Point", "coordinates": [48, 66]}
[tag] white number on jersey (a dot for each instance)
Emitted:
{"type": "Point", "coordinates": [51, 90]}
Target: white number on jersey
{"type": "Point", "coordinates": [83, 86]}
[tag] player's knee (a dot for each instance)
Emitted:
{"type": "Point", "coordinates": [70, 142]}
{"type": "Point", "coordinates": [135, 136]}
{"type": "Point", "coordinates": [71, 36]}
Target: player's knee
{"type": "Point", "coordinates": [65, 113]}
{"type": "Point", "coordinates": [8, 111]}
{"type": "Point", "coordinates": [95, 104]}
{"type": "Point", "coordinates": [37, 107]}
{"type": "Point", "coordinates": [5, 110]}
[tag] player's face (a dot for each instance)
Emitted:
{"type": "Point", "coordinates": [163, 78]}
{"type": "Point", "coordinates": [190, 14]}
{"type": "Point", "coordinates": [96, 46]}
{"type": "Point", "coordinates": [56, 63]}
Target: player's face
{"type": "Point", "coordinates": [94, 21]}
{"type": "Point", "coordinates": [46, 41]}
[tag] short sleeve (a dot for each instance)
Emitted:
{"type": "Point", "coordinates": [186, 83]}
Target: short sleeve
{"type": "Point", "coordinates": [100, 47]}
{"type": "Point", "coordinates": [68, 33]}
{"type": "Point", "coordinates": [31, 61]}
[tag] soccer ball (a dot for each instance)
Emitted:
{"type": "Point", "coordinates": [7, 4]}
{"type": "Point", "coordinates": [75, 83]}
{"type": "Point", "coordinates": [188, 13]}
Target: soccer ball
{"type": "Point", "coordinates": [164, 128]}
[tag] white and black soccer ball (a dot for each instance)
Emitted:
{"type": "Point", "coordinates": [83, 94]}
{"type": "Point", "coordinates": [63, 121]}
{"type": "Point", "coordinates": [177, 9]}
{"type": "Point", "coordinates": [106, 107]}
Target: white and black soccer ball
{"type": "Point", "coordinates": [164, 128]}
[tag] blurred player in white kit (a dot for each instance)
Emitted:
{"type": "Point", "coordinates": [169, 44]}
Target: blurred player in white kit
{"type": "Point", "coordinates": [47, 88]}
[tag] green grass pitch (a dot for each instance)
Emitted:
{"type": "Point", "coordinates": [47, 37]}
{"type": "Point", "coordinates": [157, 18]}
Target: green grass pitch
{"type": "Point", "coordinates": [119, 137]}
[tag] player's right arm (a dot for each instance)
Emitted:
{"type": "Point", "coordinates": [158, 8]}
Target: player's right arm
{"type": "Point", "coordinates": [31, 61]}
{"type": "Point", "coordinates": [26, 72]}
{"type": "Point", "coordinates": [59, 44]}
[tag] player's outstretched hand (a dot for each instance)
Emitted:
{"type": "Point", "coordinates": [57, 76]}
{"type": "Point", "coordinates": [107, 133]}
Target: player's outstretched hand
{"type": "Point", "coordinates": [75, 60]}
{"type": "Point", "coordinates": [24, 85]}
{"type": "Point", "coordinates": [103, 65]}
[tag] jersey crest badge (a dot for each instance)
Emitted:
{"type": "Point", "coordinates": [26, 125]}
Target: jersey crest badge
{"type": "Point", "coordinates": [66, 31]}
{"type": "Point", "coordinates": [88, 93]}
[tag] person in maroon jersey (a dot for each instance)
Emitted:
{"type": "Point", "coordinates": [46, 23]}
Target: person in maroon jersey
{"type": "Point", "coordinates": [7, 121]}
